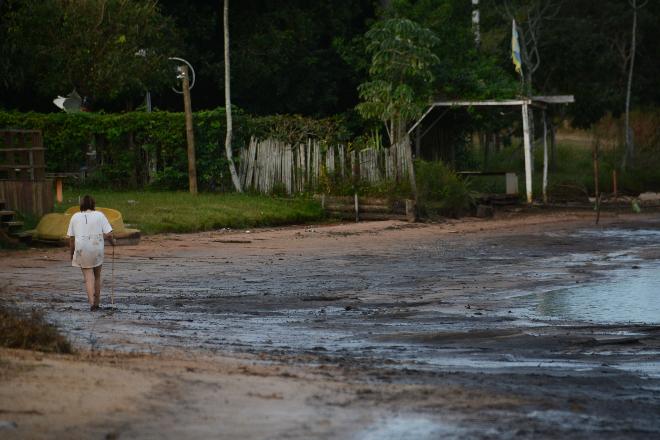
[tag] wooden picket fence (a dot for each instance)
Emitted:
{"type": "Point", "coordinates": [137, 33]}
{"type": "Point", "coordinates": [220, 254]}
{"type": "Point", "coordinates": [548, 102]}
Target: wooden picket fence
{"type": "Point", "coordinates": [266, 164]}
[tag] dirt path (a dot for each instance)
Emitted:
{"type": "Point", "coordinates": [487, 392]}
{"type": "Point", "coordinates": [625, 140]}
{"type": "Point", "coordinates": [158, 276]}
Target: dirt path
{"type": "Point", "coordinates": [372, 330]}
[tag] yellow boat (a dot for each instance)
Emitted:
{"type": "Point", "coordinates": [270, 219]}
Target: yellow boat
{"type": "Point", "coordinates": [52, 227]}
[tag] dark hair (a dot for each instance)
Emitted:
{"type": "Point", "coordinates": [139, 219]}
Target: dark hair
{"type": "Point", "coordinates": [87, 202]}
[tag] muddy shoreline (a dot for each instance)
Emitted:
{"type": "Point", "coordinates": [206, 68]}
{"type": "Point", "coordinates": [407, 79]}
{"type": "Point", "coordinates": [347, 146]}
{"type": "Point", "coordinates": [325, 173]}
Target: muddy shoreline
{"type": "Point", "coordinates": [464, 329]}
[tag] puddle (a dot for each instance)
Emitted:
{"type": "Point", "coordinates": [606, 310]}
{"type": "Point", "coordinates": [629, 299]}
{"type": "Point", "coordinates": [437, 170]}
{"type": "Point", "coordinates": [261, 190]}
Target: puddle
{"type": "Point", "coordinates": [628, 234]}
{"type": "Point", "coordinates": [507, 364]}
{"type": "Point", "coordinates": [413, 427]}
{"type": "Point", "coordinates": [568, 420]}
{"type": "Point", "coordinates": [339, 309]}
{"type": "Point", "coordinates": [627, 296]}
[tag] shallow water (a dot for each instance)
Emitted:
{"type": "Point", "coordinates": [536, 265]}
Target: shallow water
{"type": "Point", "coordinates": [626, 296]}
{"type": "Point", "coordinates": [355, 305]}
{"type": "Point", "coordinates": [414, 426]}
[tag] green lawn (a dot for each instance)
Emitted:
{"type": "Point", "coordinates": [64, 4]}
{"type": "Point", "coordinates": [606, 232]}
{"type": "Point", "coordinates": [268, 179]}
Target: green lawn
{"type": "Point", "coordinates": [157, 212]}
{"type": "Point", "coordinates": [573, 167]}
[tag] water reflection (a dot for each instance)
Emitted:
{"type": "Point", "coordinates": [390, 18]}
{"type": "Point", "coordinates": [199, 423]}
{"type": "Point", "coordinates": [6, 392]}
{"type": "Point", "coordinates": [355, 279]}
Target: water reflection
{"type": "Point", "coordinates": [630, 295]}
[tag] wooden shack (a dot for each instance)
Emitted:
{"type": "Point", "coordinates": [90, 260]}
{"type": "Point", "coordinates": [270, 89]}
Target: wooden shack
{"type": "Point", "coordinates": [23, 183]}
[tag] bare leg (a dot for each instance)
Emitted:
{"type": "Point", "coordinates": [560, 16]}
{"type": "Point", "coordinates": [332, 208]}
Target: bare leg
{"type": "Point", "coordinates": [97, 285]}
{"type": "Point", "coordinates": [88, 275]}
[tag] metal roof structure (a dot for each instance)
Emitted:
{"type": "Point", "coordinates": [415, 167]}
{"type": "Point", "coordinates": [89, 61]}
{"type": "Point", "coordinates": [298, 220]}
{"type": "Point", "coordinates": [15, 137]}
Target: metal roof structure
{"type": "Point", "coordinates": [536, 101]}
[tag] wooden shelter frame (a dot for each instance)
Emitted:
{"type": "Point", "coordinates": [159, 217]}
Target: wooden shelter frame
{"type": "Point", "coordinates": [536, 101]}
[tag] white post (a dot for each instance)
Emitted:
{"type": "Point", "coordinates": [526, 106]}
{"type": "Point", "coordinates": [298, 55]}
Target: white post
{"type": "Point", "coordinates": [545, 158]}
{"type": "Point", "coordinates": [528, 151]}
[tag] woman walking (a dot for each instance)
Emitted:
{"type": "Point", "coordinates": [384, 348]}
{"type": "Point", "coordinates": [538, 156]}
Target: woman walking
{"type": "Point", "coordinates": [87, 231]}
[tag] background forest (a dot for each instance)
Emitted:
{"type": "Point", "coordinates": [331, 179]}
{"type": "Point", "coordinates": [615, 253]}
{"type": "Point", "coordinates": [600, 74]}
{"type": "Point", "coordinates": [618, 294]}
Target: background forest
{"type": "Point", "coordinates": [316, 59]}
{"type": "Point", "coordinates": [293, 56]}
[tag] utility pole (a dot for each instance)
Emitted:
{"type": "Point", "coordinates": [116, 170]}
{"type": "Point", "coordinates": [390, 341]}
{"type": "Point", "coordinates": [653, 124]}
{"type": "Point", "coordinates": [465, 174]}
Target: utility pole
{"type": "Point", "coordinates": [190, 136]}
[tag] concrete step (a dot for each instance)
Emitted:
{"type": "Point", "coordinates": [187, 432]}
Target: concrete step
{"type": "Point", "coordinates": [23, 236]}
{"type": "Point", "coordinates": [11, 224]}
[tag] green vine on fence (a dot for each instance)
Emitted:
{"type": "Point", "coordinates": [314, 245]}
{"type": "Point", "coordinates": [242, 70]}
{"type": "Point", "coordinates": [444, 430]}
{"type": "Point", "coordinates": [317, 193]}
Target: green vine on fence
{"type": "Point", "coordinates": [138, 149]}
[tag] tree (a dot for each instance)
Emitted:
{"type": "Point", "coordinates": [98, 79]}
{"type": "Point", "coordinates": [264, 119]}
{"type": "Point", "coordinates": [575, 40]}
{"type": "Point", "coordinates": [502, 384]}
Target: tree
{"type": "Point", "coordinates": [530, 16]}
{"type": "Point", "coordinates": [232, 168]}
{"type": "Point", "coordinates": [54, 46]}
{"type": "Point", "coordinates": [400, 82]}
{"type": "Point", "coordinates": [466, 72]}
{"type": "Point", "coordinates": [401, 78]}
{"type": "Point", "coordinates": [628, 154]}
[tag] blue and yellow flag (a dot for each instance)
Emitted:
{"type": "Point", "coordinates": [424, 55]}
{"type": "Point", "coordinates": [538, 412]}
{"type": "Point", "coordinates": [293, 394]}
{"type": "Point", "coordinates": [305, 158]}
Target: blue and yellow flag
{"type": "Point", "coordinates": [515, 49]}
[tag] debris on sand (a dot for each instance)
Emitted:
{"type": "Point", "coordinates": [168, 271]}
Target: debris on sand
{"type": "Point", "coordinates": [29, 330]}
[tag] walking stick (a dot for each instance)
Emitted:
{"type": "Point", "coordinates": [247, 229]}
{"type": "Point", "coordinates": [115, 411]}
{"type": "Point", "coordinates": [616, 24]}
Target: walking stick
{"type": "Point", "coordinates": [112, 282]}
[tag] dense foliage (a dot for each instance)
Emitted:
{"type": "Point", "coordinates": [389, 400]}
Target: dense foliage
{"type": "Point", "coordinates": [299, 57]}
{"type": "Point", "coordinates": [309, 57]}
{"type": "Point", "coordinates": [137, 148]}
{"type": "Point", "coordinates": [400, 75]}
{"type": "Point", "coordinates": [110, 51]}
{"type": "Point", "coordinates": [441, 191]}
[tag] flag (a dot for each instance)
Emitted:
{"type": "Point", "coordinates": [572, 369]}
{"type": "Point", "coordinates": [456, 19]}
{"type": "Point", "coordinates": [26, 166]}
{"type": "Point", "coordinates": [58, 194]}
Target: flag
{"type": "Point", "coordinates": [515, 48]}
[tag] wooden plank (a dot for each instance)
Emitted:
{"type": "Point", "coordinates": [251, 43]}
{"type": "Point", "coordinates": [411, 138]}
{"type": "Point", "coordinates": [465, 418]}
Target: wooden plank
{"type": "Point", "coordinates": [337, 207]}
{"type": "Point", "coordinates": [20, 131]}
{"type": "Point", "coordinates": [19, 167]}
{"type": "Point", "coordinates": [28, 196]}
{"type": "Point", "coordinates": [338, 199]}
{"type": "Point", "coordinates": [342, 161]}
{"type": "Point", "coordinates": [347, 207]}
{"type": "Point", "coordinates": [555, 99]}
{"type": "Point", "coordinates": [330, 160]}
{"type": "Point", "coordinates": [375, 201]}
{"type": "Point", "coordinates": [22, 149]}
{"type": "Point", "coordinates": [545, 158]}
{"type": "Point", "coordinates": [375, 208]}
{"type": "Point", "coordinates": [382, 216]}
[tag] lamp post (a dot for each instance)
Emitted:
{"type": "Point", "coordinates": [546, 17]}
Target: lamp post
{"type": "Point", "coordinates": [186, 74]}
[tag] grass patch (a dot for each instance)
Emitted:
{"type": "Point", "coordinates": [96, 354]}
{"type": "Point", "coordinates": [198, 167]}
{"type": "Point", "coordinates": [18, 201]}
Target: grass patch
{"type": "Point", "coordinates": [173, 211]}
{"type": "Point", "coordinates": [29, 330]}
{"type": "Point", "coordinates": [573, 167]}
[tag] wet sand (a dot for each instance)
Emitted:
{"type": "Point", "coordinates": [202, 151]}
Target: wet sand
{"type": "Point", "coordinates": [462, 329]}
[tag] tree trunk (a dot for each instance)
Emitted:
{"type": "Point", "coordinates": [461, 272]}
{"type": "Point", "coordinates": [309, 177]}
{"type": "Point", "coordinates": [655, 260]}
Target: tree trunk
{"type": "Point", "coordinates": [232, 168]}
{"type": "Point", "coordinates": [475, 23]}
{"type": "Point", "coordinates": [629, 153]}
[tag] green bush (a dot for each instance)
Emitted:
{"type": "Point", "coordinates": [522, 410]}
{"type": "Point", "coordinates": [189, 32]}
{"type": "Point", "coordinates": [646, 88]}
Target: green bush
{"type": "Point", "coordinates": [139, 149]}
{"type": "Point", "coordinates": [440, 191]}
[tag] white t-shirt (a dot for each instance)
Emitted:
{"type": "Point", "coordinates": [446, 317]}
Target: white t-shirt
{"type": "Point", "coordinates": [88, 228]}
